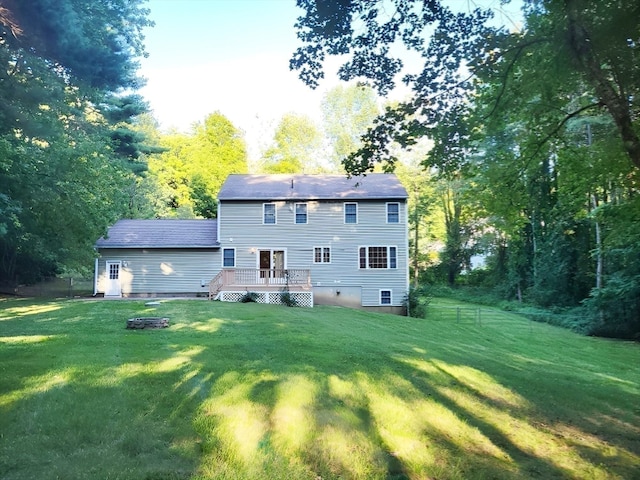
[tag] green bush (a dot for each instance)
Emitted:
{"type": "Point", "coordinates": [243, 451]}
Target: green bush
{"type": "Point", "coordinates": [417, 300]}
{"type": "Point", "coordinates": [287, 298]}
{"type": "Point", "coordinates": [249, 297]}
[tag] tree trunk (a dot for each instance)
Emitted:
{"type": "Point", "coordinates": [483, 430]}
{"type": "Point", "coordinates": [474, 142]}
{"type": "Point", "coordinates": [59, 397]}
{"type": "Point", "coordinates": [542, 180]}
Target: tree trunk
{"type": "Point", "coordinates": [615, 101]}
{"type": "Point", "coordinates": [599, 261]}
{"type": "Point", "coordinates": [416, 237]}
{"type": "Point", "coordinates": [453, 247]}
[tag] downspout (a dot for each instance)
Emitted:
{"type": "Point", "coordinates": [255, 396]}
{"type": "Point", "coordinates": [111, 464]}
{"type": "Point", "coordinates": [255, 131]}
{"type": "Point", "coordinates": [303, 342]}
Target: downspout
{"type": "Point", "coordinates": [95, 277]}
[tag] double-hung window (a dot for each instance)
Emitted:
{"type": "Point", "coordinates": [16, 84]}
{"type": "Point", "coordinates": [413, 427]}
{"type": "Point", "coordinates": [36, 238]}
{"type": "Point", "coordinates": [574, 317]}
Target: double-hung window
{"type": "Point", "coordinates": [321, 255]}
{"type": "Point", "coordinates": [393, 212]}
{"type": "Point", "coordinates": [385, 297]}
{"type": "Point", "coordinates": [301, 213]}
{"type": "Point", "coordinates": [228, 257]}
{"type": "Point", "coordinates": [378, 257]}
{"type": "Point", "coordinates": [350, 213]}
{"type": "Point", "coordinates": [269, 213]}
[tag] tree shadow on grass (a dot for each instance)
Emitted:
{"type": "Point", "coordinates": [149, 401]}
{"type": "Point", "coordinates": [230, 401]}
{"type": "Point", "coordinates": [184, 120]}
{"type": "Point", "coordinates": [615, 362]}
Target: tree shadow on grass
{"type": "Point", "coordinates": [218, 396]}
{"type": "Point", "coordinates": [518, 458]}
{"type": "Point", "coordinates": [340, 421]}
{"type": "Point", "coordinates": [77, 399]}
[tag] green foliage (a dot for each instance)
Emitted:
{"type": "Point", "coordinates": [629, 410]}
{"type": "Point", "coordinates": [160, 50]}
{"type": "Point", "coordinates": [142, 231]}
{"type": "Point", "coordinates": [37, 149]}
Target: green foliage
{"type": "Point", "coordinates": [616, 305]}
{"type": "Point", "coordinates": [129, 141]}
{"type": "Point", "coordinates": [425, 223]}
{"type": "Point", "coordinates": [62, 183]}
{"type": "Point", "coordinates": [185, 178]}
{"type": "Point", "coordinates": [475, 294]}
{"type": "Point", "coordinates": [296, 147]}
{"type": "Point", "coordinates": [249, 297]}
{"type": "Point", "coordinates": [417, 300]}
{"type": "Point", "coordinates": [205, 202]}
{"type": "Point", "coordinates": [66, 33]}
{"type": "Point", "coordinates": [287, 298]}
{"type": "Point", "coordinates": [538, 128]}
{"type": "Point", "coordinates": [347, 113]}
{"type": "Point", "coordinates": [67, 153]}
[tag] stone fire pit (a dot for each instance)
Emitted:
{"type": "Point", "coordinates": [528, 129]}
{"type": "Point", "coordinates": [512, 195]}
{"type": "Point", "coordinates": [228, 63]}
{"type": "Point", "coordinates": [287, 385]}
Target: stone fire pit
{"type": "Point", "coordinates": [148, 322]}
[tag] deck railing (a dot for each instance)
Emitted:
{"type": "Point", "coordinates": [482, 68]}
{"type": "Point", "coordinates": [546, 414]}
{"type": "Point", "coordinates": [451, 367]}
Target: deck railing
{"type": "Point", "coordinates": [215, 285]}
{"type": "Point", "coordinates": [244, 278]}
{"type": "Point", "coordinates": [260, 277]}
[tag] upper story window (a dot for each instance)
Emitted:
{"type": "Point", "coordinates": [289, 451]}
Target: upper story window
{"type": "Point", "coordinates": [378, 257]}
{"type": "Point", "coordinates": [269, 213]}
{"type": "Point", "coordinates": [393, 212]}
{"type": "Point", "coordinates": [301, 213]}
{"type": "Point", "coordinates": [350, 213]}
{"type": "Point", "coordinates": [228, 257]}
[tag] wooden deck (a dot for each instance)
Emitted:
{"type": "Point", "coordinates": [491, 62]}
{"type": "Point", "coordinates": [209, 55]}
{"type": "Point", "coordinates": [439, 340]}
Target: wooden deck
{"type": "Point", "coordinates": [259, 280]}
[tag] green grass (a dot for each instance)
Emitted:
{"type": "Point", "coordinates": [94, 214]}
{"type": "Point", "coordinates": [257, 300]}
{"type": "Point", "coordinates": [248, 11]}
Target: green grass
{"type": "Point", "coordinates": [233, 391]}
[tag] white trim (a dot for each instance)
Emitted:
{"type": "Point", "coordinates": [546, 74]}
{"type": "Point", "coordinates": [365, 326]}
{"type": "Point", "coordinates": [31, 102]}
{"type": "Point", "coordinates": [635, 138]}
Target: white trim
{"type": "Point", "coordinates": [275, 213]}
{"type": "Point", "coordinates": [234, 257]}
{"type": "Point", "coordinates": [394, 256]}
{"type": "Point", "coordinates": [344, 212]}
{"type": "Point", "coordinates": [390, 296]}
{"type": "Point", "coordinates": [407, 267]}
{"type": "Point", "coordinates": [276, 249]}
{"type": "Point", "coordinates": [387, 212]}
{"type": "Point", "coordinates": [388, 247]}
{"type": "Point", "coordinates": [295, 213]}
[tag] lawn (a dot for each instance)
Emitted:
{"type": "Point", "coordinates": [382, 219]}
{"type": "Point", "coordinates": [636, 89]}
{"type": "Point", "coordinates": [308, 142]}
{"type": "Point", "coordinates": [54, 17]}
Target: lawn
{"type": "Point", "coordinates": [233, 391]}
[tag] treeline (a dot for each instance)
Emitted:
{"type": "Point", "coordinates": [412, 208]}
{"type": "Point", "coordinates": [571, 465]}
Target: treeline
{"type": "Point", "coordinates": [68, 152]}
{"type": "Point", "coordinates": [518, 147]}
{"type": "Point", "coordinates": [535, 133]}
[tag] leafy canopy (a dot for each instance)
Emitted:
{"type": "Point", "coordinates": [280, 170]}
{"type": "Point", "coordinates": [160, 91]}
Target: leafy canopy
{"type": "Point", "coordinates": [68, 147]}
{"type": "Point", "coordinates": [596, 43]}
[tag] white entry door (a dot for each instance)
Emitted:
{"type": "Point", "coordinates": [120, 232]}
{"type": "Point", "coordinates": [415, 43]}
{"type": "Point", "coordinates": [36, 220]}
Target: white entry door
{"type": "Point", "coordinates": [114, 287]}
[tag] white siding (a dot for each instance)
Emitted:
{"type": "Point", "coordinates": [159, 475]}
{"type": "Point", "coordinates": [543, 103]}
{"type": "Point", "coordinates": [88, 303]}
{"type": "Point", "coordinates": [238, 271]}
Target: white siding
{"type": "Point", "coordinates": [241, 227]}
{"type": "Point", "coordinates": [161, 271]}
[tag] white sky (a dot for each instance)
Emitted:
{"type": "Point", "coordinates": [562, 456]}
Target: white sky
{"type": "Point", "coordinates": [227, 56]}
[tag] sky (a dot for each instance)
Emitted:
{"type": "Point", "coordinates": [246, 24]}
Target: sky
{"type": "Point", "coordinates": [230, 56]}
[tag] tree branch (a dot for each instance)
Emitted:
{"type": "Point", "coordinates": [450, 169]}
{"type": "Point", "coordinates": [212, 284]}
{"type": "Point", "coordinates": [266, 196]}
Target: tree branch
{"type": "Point", "coordinates": [561, 124]}
{"type": "Point", "coordinates": [519, 49]}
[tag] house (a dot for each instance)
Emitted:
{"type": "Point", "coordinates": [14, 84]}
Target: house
{"type": "Point", "coordinates": [157, 258]}
{"type": "Point", "coordinates": [325, 239]}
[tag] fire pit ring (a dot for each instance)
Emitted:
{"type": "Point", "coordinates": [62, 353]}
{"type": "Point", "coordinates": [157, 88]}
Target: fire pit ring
{"type": "Point", "coordinates": [148, 322]}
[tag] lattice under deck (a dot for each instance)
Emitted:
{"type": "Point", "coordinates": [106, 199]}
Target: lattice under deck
{"type": "Point", "coordinates": [303, 299]}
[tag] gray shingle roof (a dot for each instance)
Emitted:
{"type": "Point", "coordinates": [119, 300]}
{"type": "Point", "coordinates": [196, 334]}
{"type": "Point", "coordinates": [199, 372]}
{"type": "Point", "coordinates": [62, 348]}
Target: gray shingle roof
{"type": "Point", "coordinates": [312, 187]}
{"type": "Point", "coordinates": [161, 234]}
